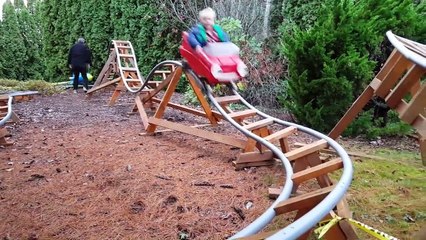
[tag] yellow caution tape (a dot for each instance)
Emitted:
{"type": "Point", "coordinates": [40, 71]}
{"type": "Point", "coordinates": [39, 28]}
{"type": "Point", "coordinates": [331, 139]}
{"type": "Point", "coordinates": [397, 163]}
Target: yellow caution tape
{"type": "Point", "coordinates": [324, 226]}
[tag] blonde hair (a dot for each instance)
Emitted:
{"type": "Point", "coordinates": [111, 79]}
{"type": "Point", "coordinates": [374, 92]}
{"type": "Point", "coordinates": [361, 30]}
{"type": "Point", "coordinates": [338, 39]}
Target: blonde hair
{"type": "Point", "coordinates": [207, 12]}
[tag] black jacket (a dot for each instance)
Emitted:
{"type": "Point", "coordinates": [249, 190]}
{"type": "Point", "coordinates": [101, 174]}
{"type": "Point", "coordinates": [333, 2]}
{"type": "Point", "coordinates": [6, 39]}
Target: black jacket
{"type": "Point", "coordinates": [79, 55]}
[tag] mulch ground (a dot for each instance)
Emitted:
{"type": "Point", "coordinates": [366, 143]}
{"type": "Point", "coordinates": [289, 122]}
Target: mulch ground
{"type": "Point", "coordinates": [79, 169]}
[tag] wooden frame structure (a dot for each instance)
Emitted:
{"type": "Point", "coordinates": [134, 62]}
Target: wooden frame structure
{"type": "Point", "coordinates": [306, 160]}
{"type": "Point", "coordinates": [121, 70]}
{"type": "Point", "coordinates": [400, 84]}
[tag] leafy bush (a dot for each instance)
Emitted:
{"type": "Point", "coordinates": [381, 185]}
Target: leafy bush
{"type": "Point", "coordinates": [364, 125]}
{"type": "Point", "coordinates": [330, 60]}
{"type": "Point", "coordinates": [9, 83]}
{"type": "Point", "coordinates": [41, 86]}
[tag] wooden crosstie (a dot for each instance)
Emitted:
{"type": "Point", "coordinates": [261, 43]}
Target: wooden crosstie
{"type": "Point", "coordinates": [306, 160]}
{"type": "Point", "coordinates": [400, 84]}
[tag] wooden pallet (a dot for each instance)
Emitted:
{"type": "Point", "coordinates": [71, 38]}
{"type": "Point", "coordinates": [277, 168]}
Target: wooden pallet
{"type": "Point", "coordinates": [399, 77]}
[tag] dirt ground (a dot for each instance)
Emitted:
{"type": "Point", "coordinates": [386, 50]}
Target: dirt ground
{"type": "Point", "coordinates": [79, 169]}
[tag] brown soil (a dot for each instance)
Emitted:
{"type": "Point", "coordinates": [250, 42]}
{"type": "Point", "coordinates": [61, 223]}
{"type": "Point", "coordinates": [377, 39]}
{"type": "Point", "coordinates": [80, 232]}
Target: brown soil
{"type": "Point", "coordinates": [81, 170]}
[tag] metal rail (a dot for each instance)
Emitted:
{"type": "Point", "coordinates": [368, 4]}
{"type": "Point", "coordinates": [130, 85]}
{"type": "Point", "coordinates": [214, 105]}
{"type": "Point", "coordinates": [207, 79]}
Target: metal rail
{"type": "Point", "coordinates": [9, 111]}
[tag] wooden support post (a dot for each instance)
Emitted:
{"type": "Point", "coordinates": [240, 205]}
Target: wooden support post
{"type": "Point", "coordinates": [142, 113]}
{"type": "Point", "coordinates": [166, 98]}
{"type": "Point", "coordinates": [352, 112]}
{"type": "Point", "coordinates": [204, 104]}
{"type": "Point", "coordinates": [415, 107]}
{"type": "Point", "coordinates": [120, 86]}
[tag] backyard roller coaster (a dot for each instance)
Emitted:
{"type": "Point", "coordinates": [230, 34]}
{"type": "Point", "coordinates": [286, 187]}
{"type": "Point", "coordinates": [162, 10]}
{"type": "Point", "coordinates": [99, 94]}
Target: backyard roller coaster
{"type": "Point", "coordinates": [260, 133]}
{"type": "Point", "coordinates": [266, 141]}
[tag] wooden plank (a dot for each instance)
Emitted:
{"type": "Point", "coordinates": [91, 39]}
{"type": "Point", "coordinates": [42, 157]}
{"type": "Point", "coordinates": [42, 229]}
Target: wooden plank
{"type": "Point", "coordinates": [404, 86]}
{"type": "Point", "coordinates": [200, 96]}
{"type": "Point", "coordinates": [103, 85]}
{"type": "Point", "coordinates": [116, 93]}
{"type": "Point", "coordinates": [259, 124]}
{"type": "Point", "coordinates": [239, 166]}
{"type": "Point", "coordinates": [283, 133]}
{"type": "Point", "coordinates": [393, 76]}
{"type": "Point", "coordinates": [129, 69]}
{"type": "Point", "coordinates": [353, 111]}
{"type": "Point", "coordinates": [199, 132]}
{"type": "Point", "coordinates": [160, 87]}
{"type": "Point", "coordinates": [106, 69]}
{"type": "Point", "coordinates": [306, 150]}
{"type": "Point", "coordinates": [415, 107]}
{"type": "Point", "coordinates": [228, 99]}
{"type": "Point", "coordinates": [167, 96]}
{"type": "Point", "coordinates": [142, 113]}
{"type": "Point", "coordinates": [352, 154]}
{"type": "Point", "coordinates": [242, 114]}
{"type": "Point", "coordinates": [389, 64]}
{"type": "Point", "coordinates": [262, 235]}
{"type": "Point", "coordinates": [255, 157]}
{"type": "Point", "coordinates": [188, 109]}
{"type": "Point", "coordinates": [319, 170]}
{"type": "Point", "coordinates": [420, 125]}
{"type": "Point", "coordinates": [273, 193]}
{"type": "Point", "coordinates": [308, 200]}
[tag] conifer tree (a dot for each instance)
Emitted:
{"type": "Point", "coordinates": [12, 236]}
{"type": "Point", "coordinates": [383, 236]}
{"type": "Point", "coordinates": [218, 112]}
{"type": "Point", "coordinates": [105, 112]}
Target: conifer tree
{"type": "Point", "coordinates": [13, 54]}
{"type": "Point", "coordinates": [29, 30]}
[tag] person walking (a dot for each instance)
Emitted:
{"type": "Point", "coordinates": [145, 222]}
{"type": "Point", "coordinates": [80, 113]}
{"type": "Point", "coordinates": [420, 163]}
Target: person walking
{"type": "Point", "coordinates": [79, 61]}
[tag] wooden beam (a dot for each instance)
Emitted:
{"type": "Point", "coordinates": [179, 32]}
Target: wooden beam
{"type": "Point", "coordinates": [259, 124]}
{"type": "Point", "coordinates": [116, 93]}
{"type": "Point", "coordinates": [242, 114]}
{"type": "Point", "coordinates": [405, 85]}
{"type": "Point", "coordinates": [175, 77]}
{"type": "Point", "coordinates": [308, 200]}
{"type": "Point", "coordinates": [353, 111]}
{"type": "Point", "coordinates": [160, 87]}
{"type": "Point", "coordinates": [106, 69]}
{"type": "Point", "coordinates": [283, 133]}
{"type": "Point", "coordinates": [142, 113]}
{"type": "Point", "coordinates": [317, 171]}
{"type": "Point", "coordinates": [415, 107]}
{"type": "Point", "coordinates": [393, 76]}
{"type": "Point", "coordinates": [188, 109]}
{"type": "Point", "coordinates": [306, 150]}
{"type": "Point", "coordinates": [228, 99]}
{"type": "Point", "coordinates": [204, 104]}
{"type": "Point", "coordinates": [255, 157]}
{"type": "Point", "coordinates": [103, 85]}
{"type": "Point", "coordinates": [198, 132]}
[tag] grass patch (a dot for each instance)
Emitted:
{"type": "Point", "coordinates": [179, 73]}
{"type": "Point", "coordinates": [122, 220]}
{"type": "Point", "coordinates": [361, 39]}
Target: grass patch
{"type": "Point", "coordinates": [43, 87]}
{"type": "Point", "coordinates": [389, 195]}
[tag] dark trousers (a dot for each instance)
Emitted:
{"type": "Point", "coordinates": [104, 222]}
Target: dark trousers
{"type": "Point", "coordinates": [76, 71]}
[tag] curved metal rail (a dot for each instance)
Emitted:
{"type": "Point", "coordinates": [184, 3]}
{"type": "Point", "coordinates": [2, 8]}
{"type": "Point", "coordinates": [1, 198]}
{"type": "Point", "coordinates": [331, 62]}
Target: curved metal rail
{"type": "Point", "coordinates": [417, 54]}
{"type": "Point", "coordinates": [310, 219]}
{"type": "Point", "coordinates": [9, 111]}
{"type": "Point", "coordinates": [151, 74]}
{"type": "Point", "coordinates": [123, 69]}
